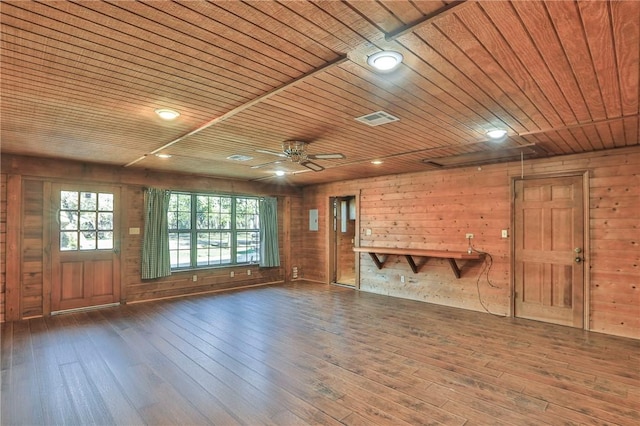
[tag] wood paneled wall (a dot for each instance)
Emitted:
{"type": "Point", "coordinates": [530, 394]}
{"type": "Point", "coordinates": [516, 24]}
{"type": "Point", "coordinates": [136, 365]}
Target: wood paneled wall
{"type": "Point", "coordinates": [430, 210]}
{"type": "Point", "coordinates": [32, 287]}
{"type": "Point", "coordinates": [3, 244]}
{"type": "Point", "coordinates": [434, 210]}
{"type": "Point", "coordinates": [25, 224]}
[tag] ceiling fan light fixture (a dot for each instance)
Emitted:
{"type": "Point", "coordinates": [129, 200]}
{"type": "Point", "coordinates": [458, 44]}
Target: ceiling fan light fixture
{"type": "Point", "coordinates": [496, 134]}
{"type": "Point", "coordinates": [387, 60]}
{"type": "Point", "coordinates": [296, 151]}
{"type": "Point", "coordinates": [167, 114]}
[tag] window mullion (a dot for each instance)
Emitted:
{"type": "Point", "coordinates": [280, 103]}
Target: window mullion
{"type": "Point", "coordinates": [234, 237]}
{"type": "Point", "coordinates": [194, 233]}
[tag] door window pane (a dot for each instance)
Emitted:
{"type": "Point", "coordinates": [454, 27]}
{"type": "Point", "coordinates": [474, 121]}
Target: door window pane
{"type": "Point", "coordinates": [88, 201]}
{"type": "Point", "coordinates": [68, 200]}
{"type": "Point", "coordinates": [105, 202]}
{"type": "Point", "coordinates": [87, 240]}
{"type": "Point", "coordinates": [105, 221]}
{"type": "Point", "coordinates": [68, 241]}
{"type": "Point", "coordinates": [68, 220]}
{"type": "Point", "coordinates": [105, 240]}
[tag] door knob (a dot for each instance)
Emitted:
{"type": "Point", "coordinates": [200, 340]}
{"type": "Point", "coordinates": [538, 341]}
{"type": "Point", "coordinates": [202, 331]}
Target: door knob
{"type": "Point", "coordinates": [578, 250]}
{"type": "Point", "coordinates": [578, 259]}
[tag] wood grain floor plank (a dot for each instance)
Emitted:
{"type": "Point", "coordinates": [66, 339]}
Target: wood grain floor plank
{"type": "Point", "coordinates": [84, 396]}
{"type": "Point", "coordinates": [162, 366]}
{"type": "Point", "coordinates": [52, 391]}
{"type": "Point", "coordinates": [18, 378]}
{"type": "Point", "coordinates": [245, 367]}
{"type": "Point", "coordinates": [121, 410]}
{"type": "Point", "coordinates": [308, 353]}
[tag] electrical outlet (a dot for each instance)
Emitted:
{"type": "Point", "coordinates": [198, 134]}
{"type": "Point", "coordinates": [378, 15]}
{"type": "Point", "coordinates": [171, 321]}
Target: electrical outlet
{"type": "Point", "coordinates": [194, 278]}
{"type": "Point", "coordinates": [401, 278]}
{"type": "Point", "coordinates": [469, 236]}
{"type": "Point", "coordinates": [248, 271]}
{"type": "Point", "coordinates": [232, 274]}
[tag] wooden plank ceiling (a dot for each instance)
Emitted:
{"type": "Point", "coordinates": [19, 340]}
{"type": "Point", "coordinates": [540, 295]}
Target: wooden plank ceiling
{"type": "Point", "coordinates": [81, 80]}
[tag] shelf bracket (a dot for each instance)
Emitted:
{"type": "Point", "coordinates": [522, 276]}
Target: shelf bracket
{"type": "Point", "coordinates": [411, 263]}
{"type": "Point", "coordinates": [454, 267]}
{"type": "Point", "coordinates": [376, 260]}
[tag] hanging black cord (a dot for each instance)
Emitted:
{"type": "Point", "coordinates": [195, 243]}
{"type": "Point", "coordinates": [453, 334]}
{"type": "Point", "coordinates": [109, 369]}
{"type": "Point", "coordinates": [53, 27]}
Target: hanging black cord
{"type": "Point", "coordinates": [486, 269]}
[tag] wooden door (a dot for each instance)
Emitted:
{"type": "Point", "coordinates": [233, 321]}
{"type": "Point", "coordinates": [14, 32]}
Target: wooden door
{"type": "Point", "coordinates": [549, 244]}
{"type": "Point", "coordinates": [84, 246]}
{"type": "Point", "coordinates": [343, 258]}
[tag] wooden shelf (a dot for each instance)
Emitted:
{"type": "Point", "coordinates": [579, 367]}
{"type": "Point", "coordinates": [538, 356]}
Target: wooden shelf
{"type": "Point", "coordinates": [409, 254]}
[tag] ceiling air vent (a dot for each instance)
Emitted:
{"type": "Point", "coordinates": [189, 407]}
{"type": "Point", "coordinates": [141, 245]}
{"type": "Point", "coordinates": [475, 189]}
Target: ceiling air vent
{"type": "Point", "coordinates": [377, 118]}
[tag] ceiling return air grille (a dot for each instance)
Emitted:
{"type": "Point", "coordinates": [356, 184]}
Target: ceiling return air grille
{"type": "Point", "coordinates": [377, 118]}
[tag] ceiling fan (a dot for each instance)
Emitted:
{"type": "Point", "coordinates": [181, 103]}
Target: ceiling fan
{"type": "Point", "coordinates": [296, 152]}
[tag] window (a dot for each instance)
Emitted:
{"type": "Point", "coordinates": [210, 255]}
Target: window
{"type": "Point", "coordinates": [86, 221]}
{"type": "Point", "coordinates": [208, 230]}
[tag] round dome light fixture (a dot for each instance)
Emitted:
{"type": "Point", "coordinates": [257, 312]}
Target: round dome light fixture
{"type": "Point", "coordinates": [167, 114]}
{"type": "Point", "coordinates": [280, 172]}
{"type": "Point", "coordinates": [376, 162]}
{"type": "Point", "coordinates": [496, 134]}
{"type": "Point", "coordinates": [386, 60]}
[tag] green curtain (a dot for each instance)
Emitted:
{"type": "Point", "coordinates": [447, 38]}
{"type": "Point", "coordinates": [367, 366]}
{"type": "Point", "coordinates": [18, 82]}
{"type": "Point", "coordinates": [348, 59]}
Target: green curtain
{"type": "Point", "coordinates": [269, 247]}
{"type": "Point", "coordinates": [155, 245]}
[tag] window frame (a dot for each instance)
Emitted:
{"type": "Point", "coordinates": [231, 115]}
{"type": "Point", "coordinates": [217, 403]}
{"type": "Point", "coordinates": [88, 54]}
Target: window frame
{"type": "Point", "coordinates": [232, 230]}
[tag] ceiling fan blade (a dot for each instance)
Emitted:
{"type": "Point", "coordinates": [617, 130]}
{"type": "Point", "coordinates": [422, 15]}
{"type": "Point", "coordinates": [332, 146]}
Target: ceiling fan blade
{"type": "Point", "coordinates": [326, 156]}
{"type": "Point", "coordinates": [279, 154]}
{"type": "Point", "coordinates": [311, 165]}
{"type": "Point", "coordinates": [297, 172]}
{"type": "Point", "coordinates": [259, 166]}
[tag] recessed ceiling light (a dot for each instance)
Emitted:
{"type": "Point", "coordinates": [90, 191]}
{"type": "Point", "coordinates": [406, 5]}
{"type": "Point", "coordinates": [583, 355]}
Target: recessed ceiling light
{"type": "Point", "coordinates": [163, 155]}
{"type": "Point", "coordinates": [239, 157]}
{"type": "Point", "coordinates": [496, 134]}
{"type": "Point", "coordinates": [376, 162]}
{"type": "Point", "coordinates": [386, 60]}
{"type": "Point", "coordinates": [167, 114]}
{"type": "Point", "coordinates": [280, 172]}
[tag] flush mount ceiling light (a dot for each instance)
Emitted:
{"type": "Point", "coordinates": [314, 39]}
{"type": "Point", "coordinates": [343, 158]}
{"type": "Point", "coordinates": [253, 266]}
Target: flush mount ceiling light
{"type": "Point", "coordinates": [239, 157]}
{"type": "Point", "coordinates": [377, 162]}
{"type": "Point", "coordinates": [386, 60]}
{"type": "Point", "coordinates": [280, 172]}
{"type": "Point", "coordinates": [496, 134]}
{"type": "Point", "coordinates": [167, 114]}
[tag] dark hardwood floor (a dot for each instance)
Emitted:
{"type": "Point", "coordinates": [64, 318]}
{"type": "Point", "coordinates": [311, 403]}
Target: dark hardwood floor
{"type": "Point", "coordinates": [311, 354]}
